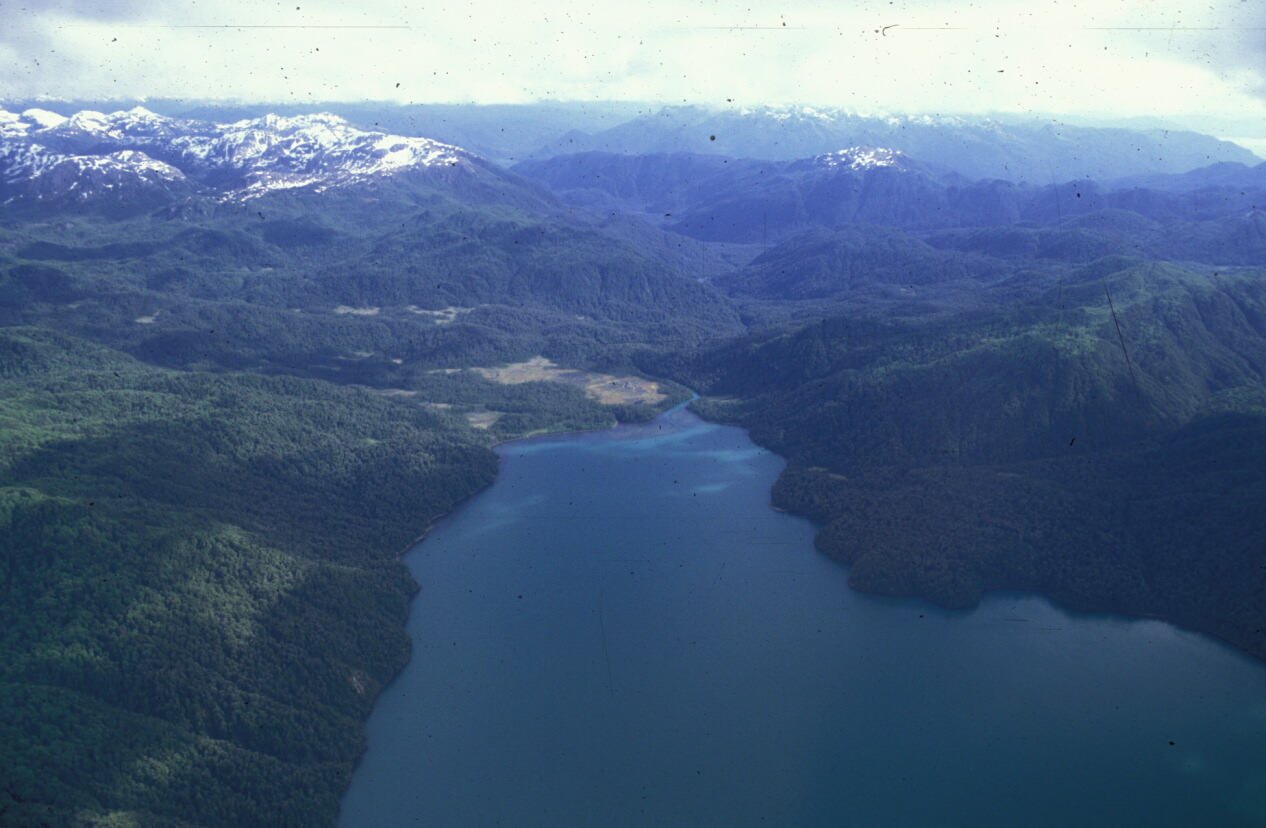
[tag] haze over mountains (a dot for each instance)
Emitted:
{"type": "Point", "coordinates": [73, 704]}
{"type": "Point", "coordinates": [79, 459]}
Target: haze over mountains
{"type": "Point", "coordinates": [745, 200]}
{"type": "Point", "coordinates": [237, 375]}
{"type": "Point", "coordinates": [1013, 149]}
{"type": "Point", "coordinates": [1038, 149]}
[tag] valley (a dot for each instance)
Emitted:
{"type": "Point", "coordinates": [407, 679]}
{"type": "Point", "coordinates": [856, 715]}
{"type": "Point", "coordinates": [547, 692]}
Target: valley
{"type": "Point", "coordinates": [244, 362]}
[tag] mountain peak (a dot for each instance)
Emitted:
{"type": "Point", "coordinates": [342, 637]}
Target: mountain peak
{"type": "Point", "coordinates": [88, 120]}
{"type": "Point", "coordinates": [294, 123]}
{"type": "Point", "coordinates": [42, 118]}
{"type": "Point", "coordinates": [864, 158]}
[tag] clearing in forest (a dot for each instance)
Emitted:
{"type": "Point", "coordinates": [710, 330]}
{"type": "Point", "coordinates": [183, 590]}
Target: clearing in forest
{"type": "Point", "coordinates": [604, 388]}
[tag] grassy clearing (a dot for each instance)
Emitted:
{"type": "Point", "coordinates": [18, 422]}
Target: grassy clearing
{"type": "Point", "coordinates": [605, 388]}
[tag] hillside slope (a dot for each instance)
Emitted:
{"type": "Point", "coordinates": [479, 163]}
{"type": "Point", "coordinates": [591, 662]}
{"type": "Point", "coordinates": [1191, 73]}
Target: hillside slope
{"type": "Point", "coordinates": [1101, 444]}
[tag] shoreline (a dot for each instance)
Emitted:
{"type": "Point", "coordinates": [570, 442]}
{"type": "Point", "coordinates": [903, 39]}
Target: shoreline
{"type": "Point", "coordinates": [1053, 610]}
{"type": "Point", "coordinates": [494, 447]}
{"type": "Point", "coordinates": [1054, 600]}
{"type": "Point", "coordinates": [449, 512]}
{"type": "Point", "coordinates": [1062, 606]}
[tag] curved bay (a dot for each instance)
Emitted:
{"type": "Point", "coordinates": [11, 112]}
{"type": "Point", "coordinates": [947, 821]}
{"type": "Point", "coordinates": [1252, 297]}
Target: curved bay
{"type": "Point", "coordinates": [621, 632]}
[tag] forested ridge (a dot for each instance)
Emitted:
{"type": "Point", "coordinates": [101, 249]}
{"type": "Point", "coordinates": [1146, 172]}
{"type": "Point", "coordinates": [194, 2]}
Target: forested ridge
{"type": "Point", "coordinates": [1100, 443]}
{"type": "Point", "coordinates": [1169, 529]}
{"type": "Point", "coordinates": [220, 430]}
{"type": "Point", "coordinates": [201, 591]}
{"type": "Point", "coordinates": [222, 422]}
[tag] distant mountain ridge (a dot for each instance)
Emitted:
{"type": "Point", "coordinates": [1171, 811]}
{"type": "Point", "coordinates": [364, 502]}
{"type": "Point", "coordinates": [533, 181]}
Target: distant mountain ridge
{"type": "Point", "coordinates": [977, 147]}
{"type": "Point", "coordinates": [744, 200]}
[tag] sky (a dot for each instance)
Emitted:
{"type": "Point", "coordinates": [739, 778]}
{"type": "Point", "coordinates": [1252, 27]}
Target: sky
{"type": "Point", "coordinates": [1108, 58]}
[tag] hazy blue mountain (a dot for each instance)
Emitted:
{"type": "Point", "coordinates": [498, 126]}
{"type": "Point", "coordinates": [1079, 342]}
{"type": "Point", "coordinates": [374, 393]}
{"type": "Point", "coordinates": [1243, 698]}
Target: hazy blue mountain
{"type": "Point", "coordinates": [1036, 150]}
{"type": "Point", "coordinates": [1224, 174]}
{"type": "Point", "coordinates": [727, 200]}
{"type": "Point", "coordinates": [653, 183]}
{"type": "Point", "coordinates": [798, 195]}
{"type": "Point", "coordinates": [718, 199]}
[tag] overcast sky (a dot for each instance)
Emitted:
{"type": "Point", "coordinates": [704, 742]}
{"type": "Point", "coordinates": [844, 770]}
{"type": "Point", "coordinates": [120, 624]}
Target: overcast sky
{"type": "Point", "coordinates": [1107, 57]}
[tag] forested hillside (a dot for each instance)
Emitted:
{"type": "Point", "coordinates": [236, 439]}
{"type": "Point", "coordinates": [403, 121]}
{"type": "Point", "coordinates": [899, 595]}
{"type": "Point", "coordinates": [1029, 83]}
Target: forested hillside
{"type": "Point", "coordinates": [201, 592]}
{"type": "Point", "coordinates": [239, 375]}
{"type": "Point", "coordinates": [222, 424]}
{"type": "Point", "coordinates": [1100, 443]}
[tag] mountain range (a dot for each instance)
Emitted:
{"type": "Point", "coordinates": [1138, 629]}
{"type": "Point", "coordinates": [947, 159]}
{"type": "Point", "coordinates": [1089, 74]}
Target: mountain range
{"type": "Point", "coordinates": [140, 158]}
{"type": "Point", "coordinates": [1035, 150]}
{"type": "Point", "coordinates": [720, 199]}
{"type": "Point", "coordinates": [245, 358]}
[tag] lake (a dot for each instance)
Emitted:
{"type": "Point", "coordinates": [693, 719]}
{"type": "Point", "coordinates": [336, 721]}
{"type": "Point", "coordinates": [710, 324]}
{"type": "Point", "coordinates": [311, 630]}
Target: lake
{"type": "Point", "coordinates": [620, 631]}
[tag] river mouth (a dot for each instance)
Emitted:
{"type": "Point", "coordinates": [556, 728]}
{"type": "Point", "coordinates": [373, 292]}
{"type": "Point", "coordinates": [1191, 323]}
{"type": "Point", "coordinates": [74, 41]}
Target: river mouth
{"type": "Point", "coordinates": [622, 631]}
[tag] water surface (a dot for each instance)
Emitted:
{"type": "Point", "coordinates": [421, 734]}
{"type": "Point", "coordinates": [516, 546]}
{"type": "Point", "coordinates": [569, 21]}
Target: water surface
{"type": "Point", "coordinates": [621, 632]}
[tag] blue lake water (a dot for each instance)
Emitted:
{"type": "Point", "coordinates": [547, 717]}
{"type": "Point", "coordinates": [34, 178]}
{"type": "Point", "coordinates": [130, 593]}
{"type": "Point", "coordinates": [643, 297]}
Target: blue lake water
{"type": "Point", "coordinates": [620, 631]}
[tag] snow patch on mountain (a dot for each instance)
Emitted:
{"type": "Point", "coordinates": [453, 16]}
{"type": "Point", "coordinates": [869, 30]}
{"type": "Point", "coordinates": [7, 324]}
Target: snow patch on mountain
{"type": "Point", "coordinates": [863, 158]}
{"type": "Point", "coordinates": [239, 160]}
{"type": "Point", "coordinates": [843, 116]}
{"type": "Point", "coordinates": [13, 125]}
{"type": "Point", "coordinates": [315, 144]}
{"type": "Point", "coordinates": [789, 113]}
{"type": "Point", "coordinates": [34, 172]}
{"type": "Point", "coordinates": [133, 161]}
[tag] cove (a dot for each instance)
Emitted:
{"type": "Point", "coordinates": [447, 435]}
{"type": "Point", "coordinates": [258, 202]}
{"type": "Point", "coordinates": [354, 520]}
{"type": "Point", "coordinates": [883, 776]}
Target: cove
{"type": "Point", "coordinates": [620, 631]}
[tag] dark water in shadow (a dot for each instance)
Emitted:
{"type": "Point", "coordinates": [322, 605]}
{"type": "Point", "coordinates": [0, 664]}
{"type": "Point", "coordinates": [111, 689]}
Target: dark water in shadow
{"type": "Point", "coordinates": [621, 632]}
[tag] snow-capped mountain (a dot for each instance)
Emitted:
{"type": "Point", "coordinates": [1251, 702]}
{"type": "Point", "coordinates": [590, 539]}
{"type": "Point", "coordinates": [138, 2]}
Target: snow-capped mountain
{"type": "Point", "coordinates": [862, 158]}
{"type": "Point", "coordinates": [31, 172]}
{"type": "Point", "coordinates": [88, 155]}
{"type": "Point", "coordinates": [13, 125]}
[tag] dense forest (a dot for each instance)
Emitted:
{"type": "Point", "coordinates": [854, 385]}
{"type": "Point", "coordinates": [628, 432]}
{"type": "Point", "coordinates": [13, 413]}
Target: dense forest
{"type": "Point", "coordinates": [201, 593]}
{"type": "Point", "coordinates": [223, 419]}
{"type": "Point", "coordinates": [218, 439]}
{"type": "Point", "coordinates": [1101, 443]}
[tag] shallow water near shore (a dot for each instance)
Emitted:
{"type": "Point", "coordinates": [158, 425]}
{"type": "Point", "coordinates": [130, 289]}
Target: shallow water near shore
{"type": "Point", "coordinates": [620, 631]}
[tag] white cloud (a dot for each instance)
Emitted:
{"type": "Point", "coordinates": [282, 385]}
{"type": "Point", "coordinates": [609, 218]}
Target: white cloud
{"type": "Point", "coordinates": [1108, 57]}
